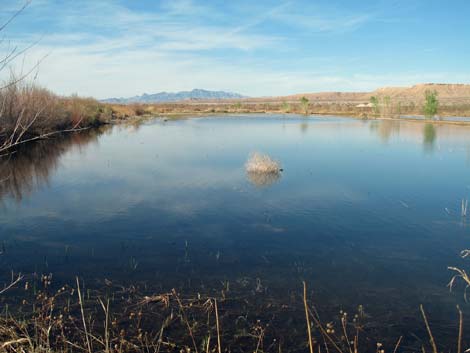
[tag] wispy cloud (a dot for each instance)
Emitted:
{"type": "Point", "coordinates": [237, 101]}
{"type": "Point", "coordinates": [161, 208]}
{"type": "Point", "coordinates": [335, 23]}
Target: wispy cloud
{"type": "Point", "coordinates": [314, 18]}
{"type": "Point", "coordinates": [122, 48]}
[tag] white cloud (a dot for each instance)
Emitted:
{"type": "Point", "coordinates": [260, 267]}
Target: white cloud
{"type": "Point", "coordinates": [88, 72]}
{"type": "Point", "coordinates": [104, 49]}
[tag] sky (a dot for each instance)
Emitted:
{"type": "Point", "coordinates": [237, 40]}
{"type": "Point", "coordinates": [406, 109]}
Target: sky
{"type": "Point", "coordinates": [121, 48]}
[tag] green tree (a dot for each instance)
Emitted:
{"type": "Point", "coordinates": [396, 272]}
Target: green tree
{"type": "Point", "coordinates": [431, 103]}
{"type": "Point", "coordinates": [304, 103]}
{"type": "Point", "coordinates": [285, 107]}
{"type": "Point", "coordinates": [375, 104]}
{"type": "Point", "coordinates": [387, 106]}
{"type": "Point", "coordinates": [399, 108]}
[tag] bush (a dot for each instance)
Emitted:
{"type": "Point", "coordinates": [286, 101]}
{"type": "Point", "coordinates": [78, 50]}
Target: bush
{"type": "Point", "coordinates": [375, 104]}
{"type": "Point", "coordinates": [304, 103]}
{"type": "Point", "coordinates": [431, 103]}
{"type": "Point", "coordinates": [29, 111]}
{"type": "Point", "coordinates": [263, 164]}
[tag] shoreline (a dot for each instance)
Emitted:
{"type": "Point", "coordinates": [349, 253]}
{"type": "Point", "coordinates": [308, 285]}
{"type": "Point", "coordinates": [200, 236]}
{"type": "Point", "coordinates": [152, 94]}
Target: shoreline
{"type": "Point", "coordinates": [117, 120]}
{"type": "Point", "coordinates": [418, 119]}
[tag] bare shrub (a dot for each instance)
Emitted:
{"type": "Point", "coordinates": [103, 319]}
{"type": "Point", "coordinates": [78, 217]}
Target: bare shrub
{"type": "Point", "coordinates": [261, 170]}
{"type": "Point", "coordinates": [262, 164]}
{"type": "Point", "coordinates": [27, 110]}
{"type": "Point", "coordinates": [31, 112]}
{"type": "Point", "coordinates": [85, 111]}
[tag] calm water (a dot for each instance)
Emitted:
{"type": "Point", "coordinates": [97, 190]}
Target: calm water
{"type": "Point", "coordinates": [367, 212]}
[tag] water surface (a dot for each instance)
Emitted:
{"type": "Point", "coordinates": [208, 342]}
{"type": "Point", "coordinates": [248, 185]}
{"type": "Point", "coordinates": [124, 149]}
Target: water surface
{"type": "Point", "coordinates": [366, 212]}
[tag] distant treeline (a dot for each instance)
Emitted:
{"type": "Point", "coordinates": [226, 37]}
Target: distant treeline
{"type": "Point", "coordinates": [29, 112]}
{"type": "Point", "coordinates": [384, 107]}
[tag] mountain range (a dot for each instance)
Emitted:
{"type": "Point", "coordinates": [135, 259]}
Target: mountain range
{"type": "Point", "coordinates": [162, 97]}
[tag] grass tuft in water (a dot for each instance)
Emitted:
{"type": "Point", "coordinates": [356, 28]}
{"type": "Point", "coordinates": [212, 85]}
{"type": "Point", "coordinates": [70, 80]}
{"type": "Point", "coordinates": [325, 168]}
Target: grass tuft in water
{"type": "Point", "coordinates": [260, 163]}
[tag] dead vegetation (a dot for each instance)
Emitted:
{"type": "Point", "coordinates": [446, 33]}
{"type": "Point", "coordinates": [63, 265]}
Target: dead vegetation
{"type": "Point", "coordinates": [393, 108]}
{"type": "Point", "coordinates": [262, 164]}
{"type": "Point", "coordinates": [118, 319]}
{"type": "Point", "coordinates": [262, 170]}
{"type": "Point", "coordinates": [28, 112]}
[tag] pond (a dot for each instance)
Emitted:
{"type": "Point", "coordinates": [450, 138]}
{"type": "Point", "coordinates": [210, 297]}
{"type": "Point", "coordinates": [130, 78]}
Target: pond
{"type": "Point", "coordinates": [366, 212]}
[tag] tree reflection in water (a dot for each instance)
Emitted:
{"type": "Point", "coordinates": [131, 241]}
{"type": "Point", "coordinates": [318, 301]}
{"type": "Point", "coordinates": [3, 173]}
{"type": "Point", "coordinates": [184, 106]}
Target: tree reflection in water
{"type": "Point", "coordinates": [32, 165]}
{"type": "Point", "coordinates": [429, 137]}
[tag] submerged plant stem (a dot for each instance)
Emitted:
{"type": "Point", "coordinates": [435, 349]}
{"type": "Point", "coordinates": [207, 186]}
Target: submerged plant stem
{"type": "Point", "coordinates": [309, 329]}
{"type": "Point", "coordinates": [83, 316]}
{"type": "Point", "coordinates": [428, 328]}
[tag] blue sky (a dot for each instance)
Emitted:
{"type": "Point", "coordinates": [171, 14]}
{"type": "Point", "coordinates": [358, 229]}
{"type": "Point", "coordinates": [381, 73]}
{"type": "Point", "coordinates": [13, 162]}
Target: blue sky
{"type": "Point", "coordinates": [123, 48]}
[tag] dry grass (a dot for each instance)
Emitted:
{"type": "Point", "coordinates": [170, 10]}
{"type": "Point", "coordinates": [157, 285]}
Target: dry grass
{"type": "Point", "coordinates": [344, 108]}
{"type": "Point", "coordinates": [262, 164]}
{"type": "Point", "coordinates": [118, 320]}
{"type": "Point", "coordinates": [262, 170]}
{"type": "Point", "coordinates": [123, 111]}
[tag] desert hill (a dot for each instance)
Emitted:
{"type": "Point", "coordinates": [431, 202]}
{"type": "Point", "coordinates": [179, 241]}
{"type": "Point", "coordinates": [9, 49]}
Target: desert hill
{"type": "Point", "coordinates": [449, 93]}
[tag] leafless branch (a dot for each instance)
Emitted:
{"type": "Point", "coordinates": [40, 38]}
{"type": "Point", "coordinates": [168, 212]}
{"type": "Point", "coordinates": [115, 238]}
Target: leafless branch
{"type": "Point", "coordinates": [24, 76]}
{"type": "Point", "coordinates": [13, 283]}
{"type": "Point", "coordinates": [16, 14]}
{"type": "Point", "coordinates": [43, 137]}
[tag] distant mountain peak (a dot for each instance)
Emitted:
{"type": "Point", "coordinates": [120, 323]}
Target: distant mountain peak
{"type": "Point", "coordinates": [162, 97]}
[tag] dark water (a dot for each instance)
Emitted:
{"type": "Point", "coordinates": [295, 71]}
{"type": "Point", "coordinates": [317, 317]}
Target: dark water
{"type": "Point", "coordinates": [367, 212]}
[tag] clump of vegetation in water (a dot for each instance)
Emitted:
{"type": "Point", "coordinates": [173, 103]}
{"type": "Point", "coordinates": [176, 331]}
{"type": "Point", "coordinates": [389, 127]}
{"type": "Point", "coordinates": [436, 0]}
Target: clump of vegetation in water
{"type": "Point", "coordinates": [262, 164]}
{"type": "Point", "coordinates": [431, 103]}
{"type": "Point", "coordinates": [261, 170]}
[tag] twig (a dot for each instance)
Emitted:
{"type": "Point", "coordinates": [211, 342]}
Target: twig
{"type": "Point", "coordinates": [309, 329]}
{"type": "Point", "coordinates": [83, 316]}
{"type": "Point", "coordinates": [345, 331]}
{"type": "Point", "coordinates": [431, 337]}
{"type": "Point", "coordinates": [2, 27]}
{"type": "Point", "coordinates": [323, 332]}
{"type": "Point", "coordinates": [398, 344]}
{"type": "Point", "coordinates": [42, 137]}
{"type": "Point", "coordinates": [219, 346]}
{"type": "Point", "coordinates": [12, 284]}
{"type": "Point", "coordinates": [459, 342]}
{"type": "Point", "coordinates": [106, 325]}
{"type": "Point", "coordinates": [183, 313]}
{"type": "Point", "coordinates": [22, 77]}
{"type": "Point", "coordinates": [10, 343]}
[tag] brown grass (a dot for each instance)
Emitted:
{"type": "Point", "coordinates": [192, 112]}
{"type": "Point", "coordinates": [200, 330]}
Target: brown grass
{"type": "Point", "coordinates": [394, 108]}
{"type": "Point", "coordinates": [262, 164]}
{"type": "Point", "coordinates": [65, 320]}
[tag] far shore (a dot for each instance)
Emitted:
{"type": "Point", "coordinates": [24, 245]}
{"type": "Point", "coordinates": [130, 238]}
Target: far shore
{"type": "Point", "coordinates": [438, 120]}
{"type": "Point", "coordinates": [35, 113]}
